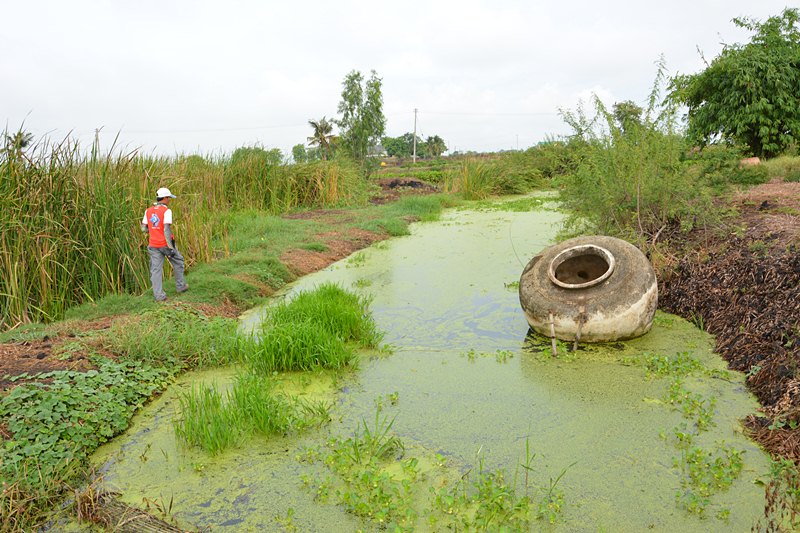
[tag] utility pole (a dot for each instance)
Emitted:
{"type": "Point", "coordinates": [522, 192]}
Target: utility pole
{"type": "Point", "coordinates": [415, 135]}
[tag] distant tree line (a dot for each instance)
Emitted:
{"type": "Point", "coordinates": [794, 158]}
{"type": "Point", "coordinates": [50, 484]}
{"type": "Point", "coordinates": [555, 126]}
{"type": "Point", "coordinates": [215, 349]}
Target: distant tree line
{"type": "Point", "coordinates": [403, 146]}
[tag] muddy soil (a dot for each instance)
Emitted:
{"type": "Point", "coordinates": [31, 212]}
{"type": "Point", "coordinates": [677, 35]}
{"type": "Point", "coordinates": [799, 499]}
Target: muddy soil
{"type": "Point", "coordinates": [741, 282]}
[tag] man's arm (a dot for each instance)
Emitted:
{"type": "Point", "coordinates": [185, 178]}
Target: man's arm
{"type": "Point", "coordinates": [168, 235]}
{"type": "Point", "coordinates": [143, 224]}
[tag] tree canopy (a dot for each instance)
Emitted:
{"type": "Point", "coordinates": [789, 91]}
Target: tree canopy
{"type": "Point", "coordinates": [749, 94]}
{"type": "Point", "coordinates": [435, 146]}
{"type": "Point", "coordinates": [403, 146]}
{"type": "Point", "coordinates": [362, 122]}
{"type": "Point", "coordinates": [17, 143]}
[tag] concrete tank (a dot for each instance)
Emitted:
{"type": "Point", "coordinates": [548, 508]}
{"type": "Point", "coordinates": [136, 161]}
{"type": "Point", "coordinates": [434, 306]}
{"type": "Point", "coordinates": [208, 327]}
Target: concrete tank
{"type": "Point", "coordinates": [597, 288]}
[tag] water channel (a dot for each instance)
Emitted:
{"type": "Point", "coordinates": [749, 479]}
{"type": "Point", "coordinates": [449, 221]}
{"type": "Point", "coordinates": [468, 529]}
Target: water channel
{"type": "Point", "coordinates": [466, 383]}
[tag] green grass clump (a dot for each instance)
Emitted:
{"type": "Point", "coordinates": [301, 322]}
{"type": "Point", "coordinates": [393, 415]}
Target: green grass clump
{"type": "Point", "coordinates": [511, 173]}
{"type": "Point", "coordinates": [316, 329]}
{"type": "Point", "coordinates": [175, 336]}
{"type": "Point", "coordinates": [251, 407]}
{"type": "Point", "coordinates": [207, 422]}
{"type": "Point", "coordinates": [314, 247]}
{"type": "Point", "coordinates": [426, 208]}
{"type": "Point", "coordinates": [783, 167]}
{"type": "Point", "coordinates": [332, 309]}
{"type": "Point", "coordinates": [295, 346]}
{"type": "Point", "coordinates": [472, 180]}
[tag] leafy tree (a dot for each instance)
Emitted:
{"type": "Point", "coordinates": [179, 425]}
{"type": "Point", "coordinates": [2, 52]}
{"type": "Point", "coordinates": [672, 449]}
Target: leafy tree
{"type": "Point", "coordinates": [394, 146]}
{"type": "Point", "coordinates": [299, 153]}
{"type": "Point", "coordinates": [362, 122]}
{"type": "Point", "coordinates": [435, 146]}
{"type": "Point", "coordinates": [749, 94]}
{"type": "Point", "coordinates": [322, 137]}
{"type": "Point", "coordinates": [403, 146]}
{"type": "Point", "coordinates": [273, 157]}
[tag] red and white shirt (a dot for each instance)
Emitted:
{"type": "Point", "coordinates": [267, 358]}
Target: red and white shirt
{"type": "Point", "coordinates": [155, 218]}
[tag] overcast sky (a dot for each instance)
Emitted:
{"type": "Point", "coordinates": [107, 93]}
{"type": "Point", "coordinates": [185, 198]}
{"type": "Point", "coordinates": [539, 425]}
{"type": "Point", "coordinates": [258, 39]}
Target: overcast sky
{"type": "Point", "coordinates": [206, 77]}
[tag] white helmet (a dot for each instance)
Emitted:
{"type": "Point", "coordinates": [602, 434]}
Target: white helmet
{"type": "Point", "coordinates": [163, 192]}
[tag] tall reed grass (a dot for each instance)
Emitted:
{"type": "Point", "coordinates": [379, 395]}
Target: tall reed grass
{"type": "Point", "coordinates": [69, 227]}
{"type": "Point", "coordinates": [510, 173]}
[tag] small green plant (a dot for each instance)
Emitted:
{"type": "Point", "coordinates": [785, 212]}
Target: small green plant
{"type": "Point", "coordinates": [782, 498]}
{"type": "Point", "coordinates": [704, 474]}
{"type": "Point", "coordinates": [356, 260]}
{"type": "Point", "coordinates": [362, 283]}
{"type": "Point", "coordinates": [287, 522]}
{"type": "Point", "coordinates": [692, 405]}
{"type": "Point", "coordinates": [501, 356]}
{"type": "Point", "coordinates": [552, 500]}
{"type": "Point", "coordinates": [252, 407]}
{"type": "Point", "coordinates": [759, 249]}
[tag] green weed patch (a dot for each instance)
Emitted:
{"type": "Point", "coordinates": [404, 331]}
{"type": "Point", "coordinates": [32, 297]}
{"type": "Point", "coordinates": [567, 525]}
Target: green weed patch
{"type": "Point", "coordinates": [377, 478]}
{"type": "Point", "coordinates": [175, 336]}
{"type": "Point", "coordinates": [56, 421]}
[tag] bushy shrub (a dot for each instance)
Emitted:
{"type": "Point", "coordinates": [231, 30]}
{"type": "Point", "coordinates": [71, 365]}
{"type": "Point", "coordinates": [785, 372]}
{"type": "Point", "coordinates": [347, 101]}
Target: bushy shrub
{"type": "Point", "coordinates": [631, 179]}
{"type": "Point", "coordinates": [719, 166]}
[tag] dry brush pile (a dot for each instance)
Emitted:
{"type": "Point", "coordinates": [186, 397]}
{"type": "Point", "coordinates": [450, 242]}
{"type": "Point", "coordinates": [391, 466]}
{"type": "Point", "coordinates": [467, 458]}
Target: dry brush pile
{"type": "Point", "coordinates": [747, 293]}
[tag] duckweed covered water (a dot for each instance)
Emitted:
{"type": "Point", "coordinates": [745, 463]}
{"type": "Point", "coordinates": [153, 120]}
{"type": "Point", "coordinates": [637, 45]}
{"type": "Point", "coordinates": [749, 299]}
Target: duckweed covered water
{"type": "Point", "coordinates": [465, 382]}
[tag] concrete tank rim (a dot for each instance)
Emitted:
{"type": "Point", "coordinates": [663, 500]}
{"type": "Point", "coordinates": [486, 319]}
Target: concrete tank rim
{"type": "Point", "coordinates": [574, 251]}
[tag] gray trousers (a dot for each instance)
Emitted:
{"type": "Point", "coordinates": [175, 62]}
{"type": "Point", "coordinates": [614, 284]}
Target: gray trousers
{"type": "Point", "coordinates": [175, 258]}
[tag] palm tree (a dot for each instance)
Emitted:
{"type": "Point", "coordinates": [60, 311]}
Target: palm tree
{"type": "Point", "coordinates": [16, 144]}
{"type": "Point", "coordinates": [322, 136]}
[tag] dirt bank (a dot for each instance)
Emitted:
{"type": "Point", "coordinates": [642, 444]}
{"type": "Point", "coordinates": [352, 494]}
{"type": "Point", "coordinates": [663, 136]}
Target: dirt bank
{"type": "Point", "coordinates": [741, 282]}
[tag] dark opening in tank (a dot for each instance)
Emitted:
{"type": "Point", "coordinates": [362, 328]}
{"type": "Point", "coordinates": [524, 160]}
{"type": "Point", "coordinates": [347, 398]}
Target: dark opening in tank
{"type": "Point", "coordinates": [581, 266]}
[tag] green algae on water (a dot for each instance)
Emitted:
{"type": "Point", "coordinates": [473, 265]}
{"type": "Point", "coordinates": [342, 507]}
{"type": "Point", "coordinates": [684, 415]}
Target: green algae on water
{"type": "Point", "coordinates": [438, 294]}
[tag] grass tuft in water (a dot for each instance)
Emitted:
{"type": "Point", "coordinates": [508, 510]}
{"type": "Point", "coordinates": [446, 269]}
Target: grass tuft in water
{"type": "Point", "coordinates": [295, 346]}
{"type": "Point", "coordinates": [251, 407]}
{"type": "Point", "coordinates": [316, 329]}
{"type": "Point", "coordinates": [207, 422]}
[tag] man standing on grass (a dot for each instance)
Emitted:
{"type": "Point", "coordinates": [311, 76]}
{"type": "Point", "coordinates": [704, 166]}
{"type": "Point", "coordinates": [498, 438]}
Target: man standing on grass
{"type": "Point", "coordinates": [157, 221]}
